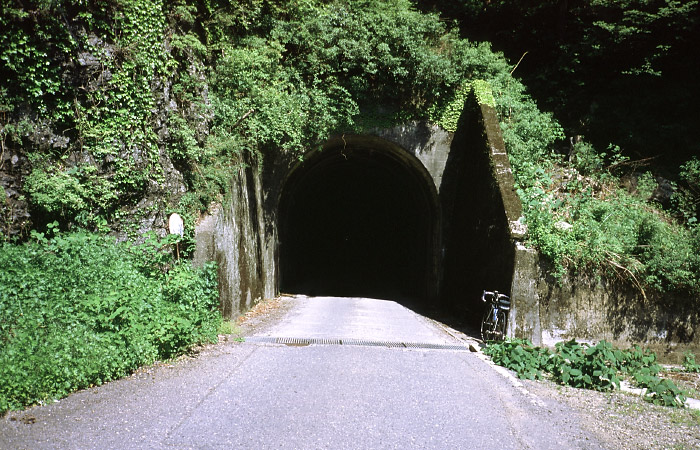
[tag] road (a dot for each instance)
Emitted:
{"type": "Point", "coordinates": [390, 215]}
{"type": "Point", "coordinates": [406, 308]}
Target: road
{"type": "Point", "coordinates": [354, 373]}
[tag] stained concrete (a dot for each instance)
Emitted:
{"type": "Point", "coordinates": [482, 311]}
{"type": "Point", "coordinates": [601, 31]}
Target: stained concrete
{"type": "Point", "coordinates": [379, 215]}
{"type": "Point", "coordinates": [452, 222]}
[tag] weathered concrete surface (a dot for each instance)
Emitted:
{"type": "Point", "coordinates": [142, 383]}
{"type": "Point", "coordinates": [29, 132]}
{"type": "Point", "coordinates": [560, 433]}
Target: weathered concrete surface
{"type": "Point", "coordinates": [235, 236]}
{"type": "Point", "coordinates": [525, 312]}
{"type": "Point", "coordinates": [429, 143]}
{"type": "Point", "coordinates": [482, 229]}
{"type": "Point", "coordinates": [593, 308]}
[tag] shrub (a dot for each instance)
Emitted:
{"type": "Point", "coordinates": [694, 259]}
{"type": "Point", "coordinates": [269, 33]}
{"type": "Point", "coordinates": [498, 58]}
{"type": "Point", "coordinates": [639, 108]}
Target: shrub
{"type": "Point", "coordinates": [520, 356]}
{"type": "Point", "coordinates": [689, 364]}
{"type": "Point", "coordinates": [77, 310]}
{"type": "Point", "coordinates": [589, 367]}
{"type": "Point", "coordinates": [599, 367]}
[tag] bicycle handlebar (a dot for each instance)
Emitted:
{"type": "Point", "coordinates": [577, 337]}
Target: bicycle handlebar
{"type": "Point", "coordinates": [495, 296]}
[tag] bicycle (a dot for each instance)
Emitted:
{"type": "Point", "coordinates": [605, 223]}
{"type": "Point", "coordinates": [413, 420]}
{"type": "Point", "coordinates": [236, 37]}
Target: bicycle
{"type": "Point", "coordinates": [495, 321]}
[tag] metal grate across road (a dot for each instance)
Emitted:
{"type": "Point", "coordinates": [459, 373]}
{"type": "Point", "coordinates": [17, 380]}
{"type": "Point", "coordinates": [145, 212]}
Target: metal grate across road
{"type": "Point", "coordinates": [356, 342]}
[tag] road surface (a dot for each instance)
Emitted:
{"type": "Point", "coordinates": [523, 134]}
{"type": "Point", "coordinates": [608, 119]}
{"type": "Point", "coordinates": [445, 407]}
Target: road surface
{"type": "Point", "coordinates": [349, 373]}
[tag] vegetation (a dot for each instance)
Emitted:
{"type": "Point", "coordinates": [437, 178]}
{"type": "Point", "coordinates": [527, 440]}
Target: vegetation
{"type": "Point", "coordinates": [611, 71]}
{"type": "Point", "coordinates": [77, 310]}
{"type": "Point", "coordinates": [260, 77]}
{"type": "Point", "coordinates": [626, 199]}
{"type": "Point", "coordinates": [689, 364]}
{"type": "Point", "coordinates": [600, 367]}
{"type": "Point", "coordinates": [102, 99]}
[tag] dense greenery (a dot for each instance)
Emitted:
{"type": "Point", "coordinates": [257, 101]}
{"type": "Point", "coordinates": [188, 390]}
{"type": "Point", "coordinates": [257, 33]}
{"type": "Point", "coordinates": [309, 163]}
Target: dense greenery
{"type": "Point", "coordinates": [613, 72]}
{"type": "Point", "coordinates": [592, 221]}
{"type": "Point", "coordinates": [77, 310]}
{"type": "Point", "coordinates": [600, 367]}
{"type": "Point", "coordinates": [619, 72]}
{"type": "Point", "coordinates": [88, 92]}
{"type": "Point", "coordinates": [97, 92]}
{"type": "Point", "coordinates": [101, 97]}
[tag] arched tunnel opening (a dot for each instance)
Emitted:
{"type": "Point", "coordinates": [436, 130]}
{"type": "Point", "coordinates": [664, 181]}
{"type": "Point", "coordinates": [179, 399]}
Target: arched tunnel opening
{"type": "Point", "coordinates": [358, 221]}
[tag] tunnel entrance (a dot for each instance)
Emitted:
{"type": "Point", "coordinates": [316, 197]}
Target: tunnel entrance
{"type": "Point", "coordinates": [358, 221]}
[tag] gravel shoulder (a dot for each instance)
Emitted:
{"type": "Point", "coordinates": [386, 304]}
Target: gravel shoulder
{"type": "Point", "coordinates": [624, 421]}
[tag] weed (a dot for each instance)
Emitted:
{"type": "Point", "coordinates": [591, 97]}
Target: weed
{"type": "Point", "coordinates": [689, 364]}
{"type": "Point", "coordinates": [599, 367]}
{"type": "Point", "coordinates": [690, 417]}
{"type": "Point", "coordinates": [228, 327]}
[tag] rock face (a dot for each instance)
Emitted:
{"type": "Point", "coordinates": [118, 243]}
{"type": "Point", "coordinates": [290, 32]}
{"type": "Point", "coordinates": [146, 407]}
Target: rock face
{"type": "Point", "coordinates": [87, 152]}
{"type": "Point", "coordinates": [15, 219]}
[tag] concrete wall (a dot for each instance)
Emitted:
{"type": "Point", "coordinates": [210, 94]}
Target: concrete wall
{"type": "Point", "coordinates": [480, 237]}
{"type": "Point", "coordinates": [237, 238]}
{"type": "Point", "coordinates": [591, 308]}
{"type": "Point", "coordinates": [462, 172]}
{"type": "Point", "coordinates": [478, 242]}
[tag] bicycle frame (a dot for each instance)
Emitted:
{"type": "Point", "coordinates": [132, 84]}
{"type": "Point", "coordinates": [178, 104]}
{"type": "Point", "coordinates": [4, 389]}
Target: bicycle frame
{"type": "Point", "coordinates": [495, 321]}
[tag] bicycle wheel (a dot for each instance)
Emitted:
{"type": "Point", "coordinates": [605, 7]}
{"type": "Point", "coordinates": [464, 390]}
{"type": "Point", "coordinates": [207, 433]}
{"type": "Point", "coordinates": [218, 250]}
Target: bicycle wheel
{"type": "Point", "coordinates": [501, 325]}
{"type": "Point", "coordinates": [488, 326]}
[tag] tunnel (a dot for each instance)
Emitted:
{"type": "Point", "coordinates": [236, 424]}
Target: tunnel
{"type": "Point", "coordinates": [359, 219]}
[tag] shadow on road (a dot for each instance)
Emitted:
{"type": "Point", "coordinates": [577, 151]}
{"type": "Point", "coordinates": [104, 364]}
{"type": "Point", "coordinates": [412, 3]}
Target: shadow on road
{"type": "Point", "coordinates": [467, 322]}
{"type": "Point", "coordinates": [463, 320]}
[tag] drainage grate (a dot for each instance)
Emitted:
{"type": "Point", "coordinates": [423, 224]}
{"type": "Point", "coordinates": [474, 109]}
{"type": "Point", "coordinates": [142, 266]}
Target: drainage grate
{"type": "Point", "coordinates": [356, 342]}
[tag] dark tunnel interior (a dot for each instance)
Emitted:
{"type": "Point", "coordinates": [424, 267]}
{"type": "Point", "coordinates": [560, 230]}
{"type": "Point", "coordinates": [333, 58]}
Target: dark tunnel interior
{"type": "Point", "coordinates": [355, 222]}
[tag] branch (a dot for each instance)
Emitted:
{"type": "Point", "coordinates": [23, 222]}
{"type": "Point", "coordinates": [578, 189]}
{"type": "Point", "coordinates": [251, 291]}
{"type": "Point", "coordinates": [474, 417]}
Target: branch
{"type": "Point", "coordinates": [244, 117]}
{"type": "Point", "coordinates": [628, 271]}
{"type": "Point", "coordinates": [635, 164]}
{"type": "Point", "coordinates": [519, 61]}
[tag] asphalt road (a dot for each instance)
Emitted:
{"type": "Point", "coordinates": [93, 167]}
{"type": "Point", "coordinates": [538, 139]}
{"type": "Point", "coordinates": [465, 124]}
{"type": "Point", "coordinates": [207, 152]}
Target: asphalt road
{"type": "Point", "coordinates": [263, 395]}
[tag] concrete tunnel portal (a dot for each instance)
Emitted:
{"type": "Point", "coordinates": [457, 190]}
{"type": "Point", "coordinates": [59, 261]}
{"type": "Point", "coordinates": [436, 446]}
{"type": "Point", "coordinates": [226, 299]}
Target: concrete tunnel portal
{"type": "Point", "coordinates": [411, 213]}
{"type": "Point", "coordinates": [359, 220]}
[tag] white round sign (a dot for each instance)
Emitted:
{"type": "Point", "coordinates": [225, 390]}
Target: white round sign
{"type": "Point", "coordinates": [176, 225]}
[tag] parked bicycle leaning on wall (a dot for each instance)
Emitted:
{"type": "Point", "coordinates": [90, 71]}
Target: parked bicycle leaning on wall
{"type": "Point", "coordinates": [494, 325]}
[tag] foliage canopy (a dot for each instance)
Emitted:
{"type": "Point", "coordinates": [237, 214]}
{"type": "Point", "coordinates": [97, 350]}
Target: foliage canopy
{"type": "Point", "coordinates": [101, 97]}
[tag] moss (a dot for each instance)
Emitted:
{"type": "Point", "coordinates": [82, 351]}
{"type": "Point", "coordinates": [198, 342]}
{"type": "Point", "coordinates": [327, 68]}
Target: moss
{"type": "Point", "coordinates": [483, 92]}
{"type": "Point", "coordinates": [447, 115]}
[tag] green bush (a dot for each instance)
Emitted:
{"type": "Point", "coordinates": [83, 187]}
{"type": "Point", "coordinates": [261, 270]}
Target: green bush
{"type": "Point", "coordinates": [77, 310]}
{"type": "Point", "coordinates": [689, 364]}
{"type": "Point", "coordinates": [599, 367]}
{"type": "Point", "coordinates": [589, 367]}
{"type": "Point", "coordinates": [589, 222]}
{"type": "Point", "coordinates": [520, 356]}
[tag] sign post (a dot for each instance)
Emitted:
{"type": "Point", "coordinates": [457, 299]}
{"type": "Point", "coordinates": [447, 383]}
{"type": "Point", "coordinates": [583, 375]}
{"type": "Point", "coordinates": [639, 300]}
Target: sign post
{"type": "Point", "coordinates": [176, 226]}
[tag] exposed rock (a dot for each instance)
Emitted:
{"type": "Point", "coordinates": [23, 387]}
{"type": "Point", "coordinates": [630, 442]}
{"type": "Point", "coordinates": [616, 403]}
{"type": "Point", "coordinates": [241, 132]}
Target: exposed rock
{"type": "Point", "coordinates": [663, 192]}
{"type": "Point", "coordinates": [563, 226]}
